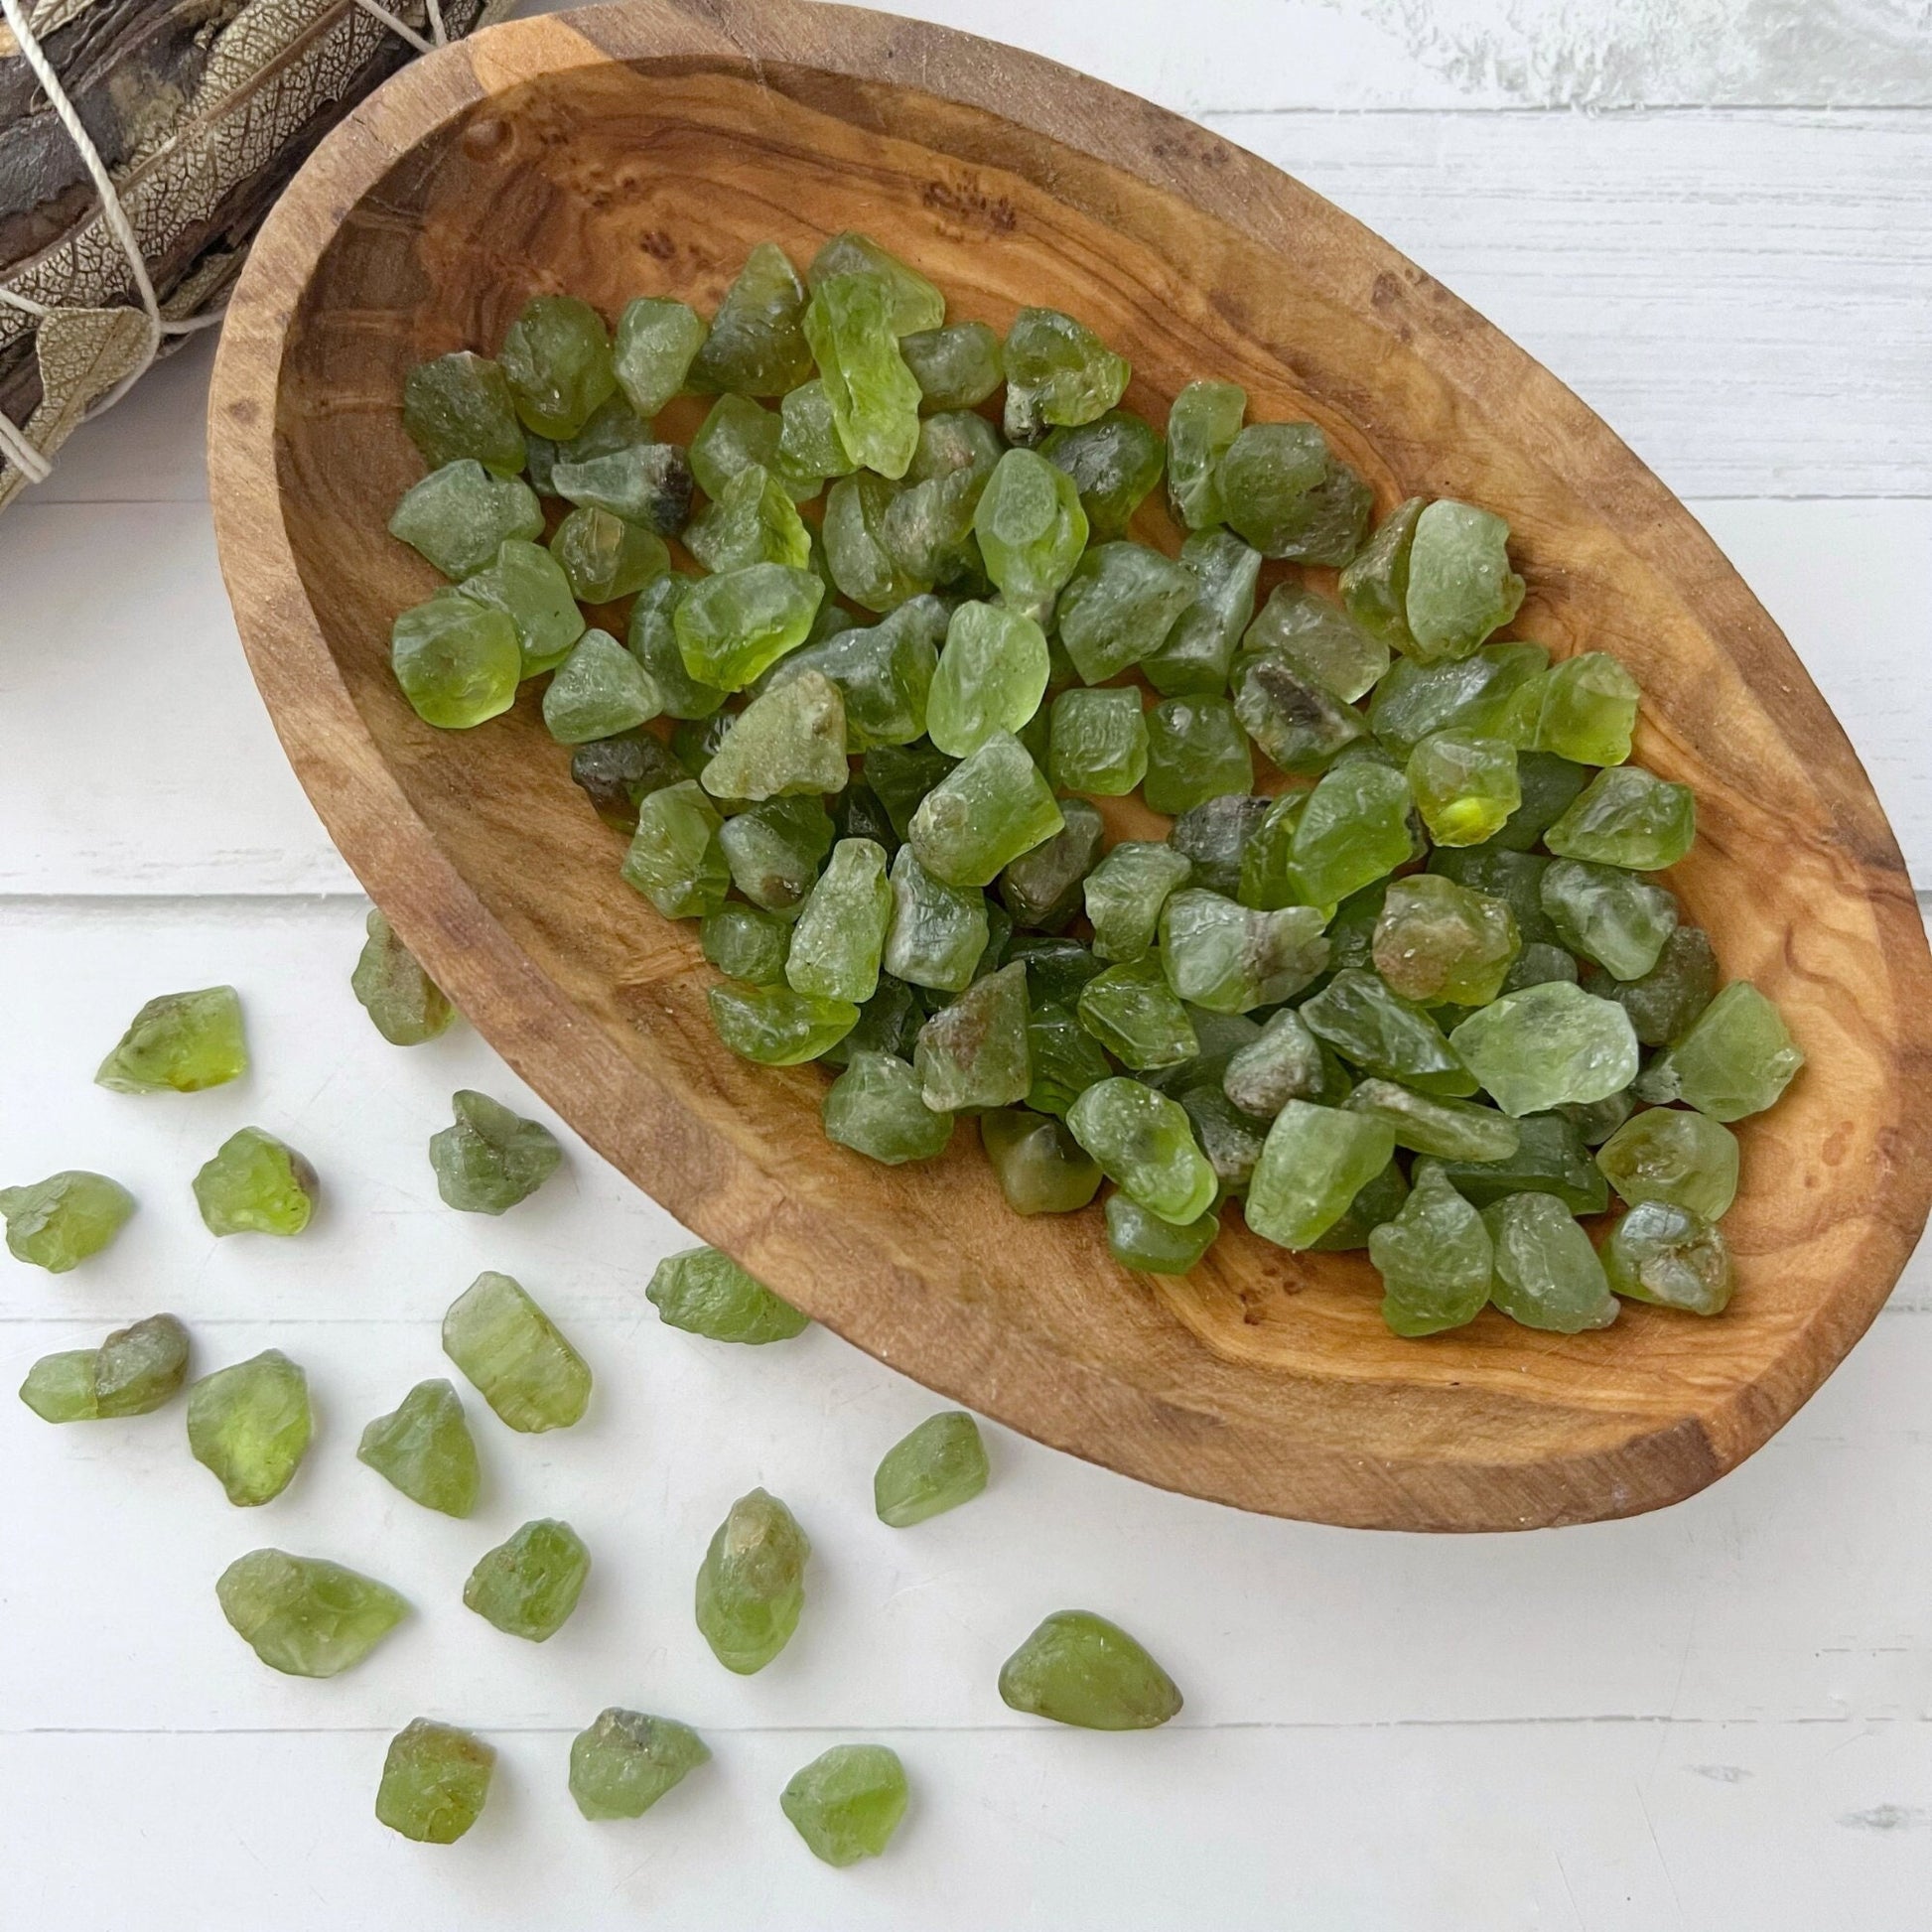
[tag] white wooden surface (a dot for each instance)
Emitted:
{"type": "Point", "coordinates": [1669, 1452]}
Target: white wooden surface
{"type": "Point", "coordinates": [1718, 1716]}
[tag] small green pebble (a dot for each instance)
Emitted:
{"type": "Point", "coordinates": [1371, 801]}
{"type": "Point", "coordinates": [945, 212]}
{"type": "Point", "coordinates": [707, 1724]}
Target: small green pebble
{"type": "Point", "coordinates": [1118, 605]}
{"type": "Point", "coordinates": [305, 1615]}
{"type": "Point", "coordinates": [460, 405]}
{"type": "Point", "coordinates": [1139, 1240]}
{"type": "Point", "coordinates": [1197, 749]}
{"type": "Point", "coordinates": [1737, 1059]}
{"type": "Point", "coordinates": [56, 1223]}
{"type": "Point", "coordinates": [435, 1782]}
{"type": "Point", "coordinates": [1202, 427]}
{"type": "Point", "coordinates": [1032, 530]}
{"type": "Point", "coordinates": [732, 627]}
{"type": "Point", "coordinates": [457, 517]}
{"type": "Point", "coordinates": [1461, 587]}
{"type": "Point", "coordinates": [706, 1293]}
{"type": "Point", "coordinates": [1586, 710]}
{"type": "Point", "coordinates": [1125, 893]}
{"type": "Point", "coordinates": [1671, 1155]}
{"type": "Point", "coordinates": [1058, 371]}
{"type": "Point", "coordinates": [1144, 1143]}
{"type": "Point", "coordinates": [515, 1356]}
{"type": "Point", "coordinates": [956, 367]}
{"type": "Point", "coordinates": [556, 356]}
{"type": "Point", "coordinates": [1440, 943]}
{"type": "Point", "coordinates": [1079, 1669]}
{"type": "Point", "coordinates": [1627, 816]}
{"type": "Point", "coordinates": [974, 1053]}
{"type": "Point", "coordinates": [677, 858]}
{"type": "Point", "coordinates": [1195, 655]}
{"type": "Point", "coordinates": [877, 1107]}
{"type": "Point", "coordinates": [255, 1184]}
{"type": "Point", "coordinates": [530, 587]}
{"type": "Point", "coordinates": [1313, 1163]}
{"type": "Point", "coordinates": [1322, 640]}
{"type": "Point", "coordinates": [751, 1584]}
{"type": "Point", "coordinates": [1466, 786]}
{"type": "Point", "coordinates": [1115, 462]}
{"type": "Point", "coordinates": [1041, 1168]}
{"type": "Point", "coordinates": [1435, 1257]}
{"type": "Point", "coordinates": [1136, 1014]}
{"type": "Point", "coordinates": [423, 1448]}
{"type": "Point", "coordinates": [625, 1761]}
{"type": "Point", "coordinates": [488, 1159]}
{"type": "Point", "coordinates": [776, 1026]}
{"type": "Point", "coordinates": [989, 678]}
{"type": "Point", "coordinates": [983, 814]}
{"type": "Point", "coordinates": [1284, 1063]}
{"type": "Point", "coordinates": [939, 1466]}
{"type": "Point", "coordinates": [847, 1803]}
{"type": "Point", "coordinates": [1452, 1130]}
{"type": "Point", "coordinates": [1606, 915]}
{"type": "Point", "coordinates": [1668, 1256]}
{"type": "Point", "coordinates": [180, 1042]}
{"type": "Point", "coordinates": [1547, 1274]}
{"type": "Point", "coordinates": [528, 1585]}
{"type": "Point", "coordinates": [250, 1425]}
{"type": "Point", "coordinates": [1227, 958]}
{"type": "Point", "coordinates": [599, 690]}
{"type": "Point", "coordinates": [1041, 887]}
{"type": "Point", "coordinates": [1549, 1045]}
{"type": "Point", "coordinates": [1551, 1158]}
{"type": "Point", "coordinates": [1098, 742]}
{"type": "Point", "coordinates": [458, 661]}
{"type": "Point", "coordinates": [1385, 1035]}
{"type": "Point", "coordinates": [938, 933]}
{"type": "Point", "coordinates": [132, 1373]}
{"type": "Point", "coordinates": [405, 1006]}
{"type": "Point", "coordinates": [657, 343]}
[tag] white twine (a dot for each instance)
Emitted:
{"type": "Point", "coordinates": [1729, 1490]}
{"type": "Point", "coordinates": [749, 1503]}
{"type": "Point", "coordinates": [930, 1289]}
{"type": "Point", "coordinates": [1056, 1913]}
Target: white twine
{"type": "Point", "coordinates": [33, 464]}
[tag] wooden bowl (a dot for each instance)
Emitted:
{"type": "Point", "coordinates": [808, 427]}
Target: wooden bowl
{"type": "Point", "coordinates": [644, 149]}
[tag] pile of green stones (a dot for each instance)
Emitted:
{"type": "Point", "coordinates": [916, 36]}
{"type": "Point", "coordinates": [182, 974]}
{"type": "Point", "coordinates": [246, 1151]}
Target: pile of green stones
{"type": "Point", "coordinates": [251, 1425]}
{"type": "Point", "coordinates": [1408, 903]}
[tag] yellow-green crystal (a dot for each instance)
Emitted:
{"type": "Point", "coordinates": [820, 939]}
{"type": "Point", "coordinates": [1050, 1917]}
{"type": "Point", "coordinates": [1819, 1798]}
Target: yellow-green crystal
{"type": "Point", "coordinates": [991, 677]}
{"type": "Point", "coordinates": [1452, 1130]}
{"type": "Point", "coordinates": [1627, 816]}
{"type": "Point", "coordinates": [1196, 751]}
{"type": "Point", "coordinates": [435, 1782]}
{"type": "Point", "coordinates": [1098, 742]}
{"type": "Point", "coordinates": [1385, 1035]}
{"type": "Point", "coordinates": [625, 1761]}
{"type": "Point", "coordinates": [841, 934]}
{"type": "Point", "coordinates": [1375, 585]}
{"type": "Point", "coordinates": [403, 1002]}
{"type": "Point", "coordinates": [1032, 530]}
{"type": "Point", "coordinates": [778, 1027]}
{"type": "Point", "coordinates": [1664, 1003]}
{"type": "Point", "coordinates": [752, 1583]}
{"type": "Point", "coordinates": [458, 661]}
{"type": "Point", "coordinates": [56, 1223]}
{"type": "Point", "coordinates": [1196, 654]}
{"type": "Point", "coordinates": [556, 356]}
{"type": "Point", "coordinates": [1356, 827]}
{"type": "Point", "coordinates": [877, 1108]}
{"type": "Point", "coordinates": [1551, 1158]}
{"type": "Point", "coordinates": [975, 1051]}
{"type": "Point", "coordinates": [657, 343]}
{"type": "Point", "coordinates": [133, 1372]}
{"type": "Point", "coordinates": [983, 814]}
{"type": "Point", "coordinates": [745, 943]}
{"type": "Point", "coordinates": [305, 1615]}
{"type": "Point", "coordinates": [1228, 958]}
{"type": "Point", "coordinates": [1321, 641]}
{"type": "Point", "coordinates": [1144, 1143]}
{"type": "Point", "coordinates": [423, 1448]}
{"type": "Point", "coordinates": [1435, 1257]}
{"type": "Point", "coordinates": [1143, 1241]}
{"type": "Point", "coordinates": [1041, 1168]}
{"type": "Point", "coordinates": [1284, 492]}
{"type": "Point", "coordinates": [1464, 785]}
{"type": "Point", "coordinates": [847, 1803]}
{"type": "Point", "coordinates": [528, 1585]}
{"type": "Point", "coordinates": [789, 740]}
{"type": "Point", "coordinates": [460, 405]}
{"type": "Point", "coordinates": [1436, 942]}
{"type": "Point", "coordinates": [1546, 1275]}
{"type": "Point", "coordinates": [1549, 1045]}
{"type": "Point", "coordinates": [255, 1184]}
{"type": "Point", "coordinates": [531, 588]}
{"type": "Point", "coordinates": [599, 691]}
{"type": "Point", "coordinates": [884, 672]}
{"type": "Point", "coordinates": [756, 345]}
{"type": "Point", "coordinates": [753, 521]}
{"type": "Point", "coordinates": [939, 1466]}
{"type": "Point", "coordinates": [1133, 1011]}
{"type": "Point", "coordinates": [1282, 1063]}
{"type": "Point", "coordinates": [1666, 1154]}
{"type": "Point", "coordinates": [249, 1425]}
{"type": "Point", "coordinates": [956, 367]}
{"type": "Point", "coordinates": [1079, 1669]}
{"type": "Point", "coordinates": [488, 1159]}
{"type": "Point", "coordinates": [937, 932]}
{"type": "Point", "coordinates": [1668, 1256]}
{"type": "Point", "coordinates": [1058, 371]}
{"type": "Point", "coordinates": [1115, 462]}
{"type": "Point", "coordinates": [1126, 891]}
{"type": "Point", "coordinates": [652, 642]}
{"type": "Point", "coordinates": [676, 858]}
{"type": "Point", "coordinates": [515, 1356]}
{"type": "Point", "coordinates": [1608, 914]}
{"type": "Point", "coordinates": [1041, 887]}
{"type": "Point", "coordinates": [1737, 1059]}
{"type": "Point", "coordinates": [1459, 585]}
{"type": "Point", "coordinates": [1202, 427]}
{"type": "Point", "coordinates": [874, 398]}
{"type": "Point", "coordinates": [647, 483]}
{"type": "Point", "coordinates": [732, 627]}
{"type": "Point", "coordinates": [178, 1042]}
{"type": "Point", "coordinates": [1313, 1163]}
{"type": "Point", "coordinates": [913, 303]}
{"type": "Point", "coordinates": [1586, 708]}
{"type": "Point", "coordinates": [1118, 605]}
{"type": "Point", "coordinates": [706, 1293]}
{"type": "Point", "coordinates": [773, 851]}
{"type": "Point", "coordinates": [459, 516]}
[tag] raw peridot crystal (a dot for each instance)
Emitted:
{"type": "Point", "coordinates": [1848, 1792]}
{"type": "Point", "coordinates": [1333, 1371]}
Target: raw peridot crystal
{"type": "Point", "coordinates": [752, 1583]}
{"type": "Point", "coordinates": [1667, 1255]}
{"type": "Point", "coordinates": [1214, 838]}
{"type": "Point", "coordinates": [1202, 427]}
{"type": "Point", "coordinates": [599, 691]}
{"type": "Point", "coordinates": [404, 1004]}
{"type": "Point", "coordinates": [528, 1585]}
{"type": "Point", "coordinates": [613, 425]}
{"type": "Point", "coordinates": [773, 852]}
{"type": "Point", "coordinates": [1669, 1154]}
{"type": "Point", "coordinates": [56, 1223]}
{"type": "Point", "coordinates": [435, 1782]}
{"type": "Point", "coordinates": [983, 814]}
{"type": "Point", "coordinates": [1435, 1258]}
{"type": "Point", "coordinates": [731, 627]}
{"type": "Point", "coordinates": [847, 1803]}
{"type": "Point", "coordinates": [1066, 1058]}
{"type": "Point", "coordinates": [937, 932]}
{"type": "Point", "coordinates": [1030, 529]}
{"type": "Point", "coordinates": [1079, 1668]}
{"type": "Point", "coordinates": [1608, 914]}
{"type": "Point", "coordinates": [676, 858]}
{"type": "Point", "coordinates": [133, 1372]}
{"type": "Point", "coordinates": [1313, 1163]}
{"type": "Point", "coordinates": [1041, 1168]}
{"type": "Point", "coordinates": [1289, 495]}
{"type": "Point", "coordinates": [809, 444]}
{"type": "Point", "coordinates": [1586, 710]}
{"type": "Point", "coordinates": [556, 356]}
{"type": "Point", "coordinates": [991, 677]}
{"type": "Point", "coordinates": [1098, 742]}
{"type": "Point", "coordinates": [956, 367]}
{"type": "Point", "coordinates": [884, 672]}
{"type": "Point", "coordinates": [778, 1027]}
{"type": "Point", "coordinates": [1667, 998]}
{"type": "Point", "coordinates": [423, 1448]}
{"type": "Point", "coordinates": [735, 434]}
{"type": "Point", "coordinates": [1115, 461]}
{"type": "Point", "coordinates": [652, 642]}
{"type": "Point", "coordinates": [1736, 1059]}
{"type": "Point", "coordinates": [1195, 654]}
{"type": "Point", "coordinates": [515, 1356]}
{"type": "Point", "coordinates": [459, 406]}
{"type": "Point", "coordinates": [939, 1466]}
{"type": "Point", "coordinates": [255, 1184]}
{"type": "Point", "coordinates": [647, 483]}
{"type": "Point", "coordinates": [841, 933]}
{"type": "Point", "coordinates": [1118, 605]}
{"type": "Point", "coordinates": [1196, 751]}
{"type": "Point", "coordinates": [250, 1426]}
{"type": "Point", "coordinates": [458, 661]}
{"type": "Point", "coordinates": [1144, 1143]}
{"type": "Point", "coordinates": [1516, 878]}
{"type": "Point", "coordinates": [1041, 887]}
{"type": "Point", "coordinates": [1452, 1130]}
{"type": "Point", "coordinates": [874, 398]}
{"type": "Point", "coordinates": [1357, 828]}
{"type": "Point", "coordinates": [178, 1042]}
{"type": "Point", "coordinates": [1143, 1241]}
{"type": "Point", "coordinates": [656, 341]}
{"type": "Point", "coordinates": [1538, 962]}
{"type": "Point", "coordinates": [1627, 816]}
{"type": "Point", "coordinates": [1477, 694]}
{"type": "Point", "coordinates": [1459, 585]}
{"type": "Point", "coordinates": [457, 517]}
{"type": "Point", "coordinates": [1321, 641]}
{"type": "Point", "coordinates": [1547, 1273]}
{"type": "Point", "coordinates": [789, 741]}
{"type": "Point", "coordinates": [1134, 1012]}
{"type": "Point", "coordinates": [1058, 371]}
{"type": "Point", "coordinates": [1551, 1158]}
{"type": "Point", "coordinates": [1549, 1045]}
{"type": "Point", "coordinates": [530, 587]}
{"type": "Point", "coordinates": [913, 304]}
{"type": "Point", "coordinates": [625, 1761]}
{"type": "Point", "coordinates": [1385, 1035]}
{"type": "Point", "coordinates": [863, 564]}
{"type": "Point", "coordinates": [975, 1051]}
{"type": "Point", "coordinates": [1439, 941]}
{"type": "Point", "coordinates": [1299, 721]}
{"type": "Point", "coordinates": [1380, 1198]}
{"type": "Point", "coordinates": [877, 1108]}
{"type": "Point", "coordinates": [748, 944]}
{"type": "Point", "coordinates": [706, 1293]}
{"type": "Point", "coordinates": [1126, 891]}
{"type": "Point", "coordinates": [304, 1616]}
{"type": "Point", "coordinates": [1282, 1063]}
{"type": "Point", "coordinates": [1375, 585]}
{"type": "Point", "coordinates": [488, 1159]}
{"type": "Point", "coordinates": [1466, 786]}
{"type": "Point", "coordinates": [753, 521]}
{"type": "Point", "coordinates": [1221, 957]}
{"type": "Point", "coordinates": [756, 345]}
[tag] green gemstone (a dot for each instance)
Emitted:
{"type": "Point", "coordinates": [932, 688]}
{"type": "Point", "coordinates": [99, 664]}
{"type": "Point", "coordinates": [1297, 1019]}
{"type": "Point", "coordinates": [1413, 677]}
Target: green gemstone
{"type": "Point", "coordinates": [1438, 942]}
{"type": "Point", "coordinates": [939, 1466]}
{"type": "Point", "coordinates": [732, 627]}
{"type": "Point", "coordinates": [459, 406]}
{"type": "Point", "coordinates": [1385, 1035]}
{"type": "Point", "coordinates": [1474, 694]}
{"type": "Point", "coordinates": [615, 772]}
{"type": "Point", "coordinates": [625, 1761]}
{"type": "Point", "coordinates": [982, 815]}
{"type": "Point", "coordinates": [1296, 720]}
{"type": "Point", "coordinates": [1548, 784]}
{"type": "Point", "coordinates": [1041, 1168]}
{"type": "Point", "coordinates": [60, 1388]}
{"type": "Point", "coordinates": [957, 366]}
{"type": "Point", "coordinates": [516, 1359]}
{"type": "Point", "coordinates": [488, 1159]}
{"type": "Point", "coordinates": [745, 943]}
{"type": "Point", "coordinates": [1098, 742]}
{"type": "Point", "coordinates": [1435, 1257]}
{"type": "Point", "coordinates": [706, 1293]}
{"type": "Point", "coordinates": [1551, 1158]}
{"type": "Point", "coordinates": [250, 1424]}
{"type": "Point", "coordinates": [528, 1585]}
{"type": "Point", "coordinates": [773, 852]}
{"type": "Point", "coordinates": [778, 1027]}
{"type": "Point", "coordinates": [132, 1373]}
{"type": "Point", "coordinates": [1125, 893]}
{"type": "Point", "coordinates": [1079, 1669]}
{"type": "Point", "coordinates": [1222, 956]}
{"type": "Point", "coordinates": [884, 672]}
{"type": "Point", "coordinates": [1375, 585]}
{"type": "Point", "coordinates": [611, 425]}
{"type": "Point", "coordinates": [1041, 887]}
{"type": "Point", "coordinates": [1356, 827]}
{"type": "Point", "coordinates": [1202, 427]}
{"type": "Point", "coordinates": [556, 356]}
{"type": "Point", "coordinates": [1538, 962]}
{"type": "Point", "coordinates": [1282, 1063]}
{"type": "Point", "coordinates": [1196, 751]}
{"type": "Point", "coordinates": [756, 345]}
{"type": "Point", "coordinates": [599, 691]}
{"type": "Point", "coordinates": [954, 440]}
{"type": "Point", "coordinates": [1601, 1118]}
{"type": "Point", "coordinates": [1231, 1139]}
{"type": "Point", "coordinates": [1547, 1274]}
{"type": "Point", "coordinates": [736, 435]}
{"type": "Point", "coordinates": [528, 585]}
{"type": "Point", "coordinates": [56, 1223]}
{"type": "Point", "coordinates": [255, 1184]}
{"type": "Point", "coordinates": [913, 303]}
{"type": "Point", "coordinates": [401, 1000]}
{"type": "Point", "coordinates": [1066, 1059]}
{"type": "Point", "coordinates": [1665, 1153]}
{"type": "Point", "coordinates": [840, 936]}
{"type": "Point", "coordinates": [1549, 1045]}
{"type": "Point", "coordinates": [937, 932]}
{"type": "Point", "coordinates": [808, 437]}
{"type": "Point", "coordinates": [863, 564]}
{"type": "Point", "coordinates": [1030, 529]}
{"type": "Point", "coordinates": [1664, 1002]}
{"type": "Point", "coordinates": [457, 517]}
{"type": "Point", "coordinates": [647, 483]}
{"type": "Point", "coordinates": [652, 642]}
{"type": "Point", "coordinates": [1144, 1143]}
{"type": "Point", "coordinates": [458, 661]}
{"type": "Point", "coordinates": [1196, 654]}
{"type": "Point", "coordinates": [1466, 786]}
{"type": "Point", "coordinates": [1312, 1164]}
{"type": "Point", "coordinates": [657, 343]}
{"type": "Point", "coordinates": [1289, 495]}
{"type": "Point", "coordinates": [1351, 932]}
{"type": "Point", "coordinates": [1588, 710]}
{"type": "Point", "coordinates": [991, 677]}
{"type": "Point", "coordinates": [1058, 372]}
{"type": "Point", "coordinates": [874, 398]}
{"type": "Point", "coordinates": [1379, 1199]}
{"type": "Point", "coordinates": [876, 1108]}
{"type": "Point", "coordinates": [847, 1803]}
{"type": "Point", "coordinates": [1057, 968]}
{"type": "Point", "coordinates": [1459, 586]}
{"type": "Point", "coordinates": [435, 1781]}
{"type": "Point", "coordinates": [1516, 878]}
{"type": "Point", "coordinates": [1612, 916]}
{"type": "Point", "coordinates": [1119, 603]}
{"type": "Point", "coordinates": [304, 1616]}
{"type": "Point", "coordinates": [752, 1583]}
{"type": "Point", "coordinates": [1133, 1011]}
{"type": "Point", "coordinates": [1268, 878]}
{"type": "Point", "coordinates": [753, 521]}
{"type": "Point", "coordinates": [180, 1042]}
{"type": "Point", "coordinates": [926, 529]}
{"type": "Point", "coordinates": [1667, 1255]}
{"type": "Point", "coordinates": [789, 741]}
{"type": "Point", "coordinates": [1319, 639]}
{"type": "Point", "coordinates": [975, 1052]}
{"type": "Point", "coordinates": [1627, 816]}
{"type": "Point", "coordinates": [677, 854]}
{"type": "Point", "coordinates": [1452, 1130]}
{"type": "Point", "coordinates": [1115, 462]}
{"type": "Point", "coordinates": [1143, 1242]}
{"type": "Point", "coordinates": [423, 1448]}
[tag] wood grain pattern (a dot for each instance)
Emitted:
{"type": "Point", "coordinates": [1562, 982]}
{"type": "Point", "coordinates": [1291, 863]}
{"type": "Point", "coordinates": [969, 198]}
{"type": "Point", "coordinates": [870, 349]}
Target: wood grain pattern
{"type": "Point", "coordinates": [642, 150]}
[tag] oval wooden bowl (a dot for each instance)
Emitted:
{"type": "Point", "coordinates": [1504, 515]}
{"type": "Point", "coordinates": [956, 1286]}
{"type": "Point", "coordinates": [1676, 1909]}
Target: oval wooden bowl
{"type": "Point", "coordinates": [644, 149]}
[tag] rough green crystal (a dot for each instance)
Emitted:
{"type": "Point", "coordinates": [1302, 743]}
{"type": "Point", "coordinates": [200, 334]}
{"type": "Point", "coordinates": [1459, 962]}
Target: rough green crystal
{"type": "Point", "coordinates": [132, 1373]}
{"type": "Point", "coordinates": [1136, 1014]}
{"type": "Point", "coordinates": [840, 936]}
{"type": "Point", "coordinates": [1548, 784]}
{"type": "Point", "coordinates": [1551, 1158]}
{"type": "Point", "coordinates": [939, 1466]}
{"type": "Point", "coordinates": [1227, 958]}
{"type": "Point", "coordinates": [1439, 941]}
{"type": "Point", "coordinates": [459, 515]}
{"type": "Point", "coordinates": [250, 1424]}
{"type": "Point", "coordinates": [1461, 587]}
{"type": "Point", "coordinates": [1476, 694]}
{"type": "Point", "coordinates": [1268, 878]}
{"type": "Point", "coordinates": [1386, 1035]}
{"type": "Point", "coordinates": [1452, 1130]}
{"type": "Point", "coordinates": [1115, 462]}
{"type": "Point", "coordinates": [1284, 1063]}
{"type": "Point", "coordinates": [1041, 1168]}
{"type": "Point", "coordinates": [1289, 495]}
{"type": "Point", "coordinates": [1196, 751]}
{"type": "Point", "coordinates": [458, 661]}
{"type": "Point", "coordinates": [1464, 785]}
{"type": "Point", "coordinates": [790, 740]}
{"type": "Point", "coordinates": [1627, 816]}
{"type": "Point", "coordinates": [178, 1042]}
{"type": "Point", "coordinates": [1058, 967]}
{"type": "Point", "coordinates": [1356, 827]}
{"type": "Point", "coordinates": [1032, 530]}
{"type": "Point", "coordinates": [778, 1027]}
{"type": "Point", "coordinates": [1601, 1118]}
{"type": "Point", "coordinates": [863, 564]}
{"type": "Point", "coordinates": [1666, 1154]}
{"type": "Point", "coordinates": [1313, 1163]}
{"type": "Point", "coordinates": [1667, 1255]}
{"type": "Point", "coordinates": [1125, 893]}
{"type": "Point", "coordinates": [1321, 641]}
{"type": "Point", "coordinates": [625, 1761]}
{"type": "Point", "coordinates": [1119, 603]}
{"type": "Point", "coordinates": [556, 357]}
{"type": "Point", "coordinates": [1144, 1143]}
{"type": "Point", "coordinates": [1375, 585]}
{"type": "Point", "coordinates": [884, 672]}
{"type": "Point", "coordinates": [1231, 1139]}
{"type": "Point", "coordinates": [611, 425]}
{"type": "Point", "coordinates": [515, 1356]}
{"type": "Point", "coordinates": [1058, 371]}
{"type": "Point", "coordinates": [1664, 1002]}
{"type": "Point", "coordinates": [56, 1223]}
{"type": "Point", "coordinates": [1588, 709]}
{"type": "Point", "coordinates": [435, 1781]}
{"type": "Point", "coordinates": [1041, 887]}
{"type": "Point", "coordinates": [957, 366]}
{"type": "Point", "coordinates": [753, 521]}
{"type": "Point", "coordinates": [1538, 962]}
{"type": "Point", "coordinates": [982, 815]}
{"type": "Point", "coordinates": [874, 398]}
{"type": "Point", "coordinates": [647, 483]}
{"type": "Point", "coordinates": [1549, 1045]}
{"type": "Point", "coordinates": [1196, 654]}
{"type": "Point", "coordinates": [1608, 914]}
{"type": "Point", "coordinates": [913, 303]}
{"type": "Point", "coordinates": [657, 343]}
{"type": "Point", "coordinates": [991, 677]}
{"type": "Point", "coordinates": [652, 642]}
{"type": "Point", "coordinates": [1378, 1199]}
{"type": "Point", "coordinates": [752, 1583]}
{"type": "Point", "coordinates": [599, 690]}
{"type": "Point", "coordinates": [528, 1585]}
{"type": "Point", "coordinates": [1143, 1241]}
{"type": "Point", "coordinates": [1297, 722]}
{"type": "Point", "coordinates": [773, 852]}
{"type": "Point", "coordinates": [488, 1159]}
{"type": "Point", "coordinates": [876, 1108]}
{"type": "Point", "coordinates": [975, 1051]}
{"type": "Point", "coordinates": [304, 1616]}
{"type": "Point", "coordinates": [1098, 742]}
{"type": "Point", "coordinates": [676, 857]}
{"type": "Point", "coordinates": [1066, 1059]}
{"type": "Point", "coordinates": [756, 345]}
{"type": "Point", "coordinates": [937, 932]}
{"type": "Point", "coordinates": [1737, 1059]}
{"type": "Point", "coordinates": [847, 1803]}
{"type": "Point", "coordinates": [615, 774]}
{"type": "Point", "coordinates": [255, 1184]}
{"type": "Point", "coordinates": [926, 529]}
{"type": "Point", "coordinates": [1079, 1669]}
{"type": "Point", "coordinates": [746, 943]}
{"type": "Point", "coordinates": [706, 1293]}
{"type": "Point", "coordinates": [530, 588]}
{"type": "Point", "coordinates": [405, 1005]}
{"type": "Point", "coordinates": [423, 1448]}
{"type": "Point", "coordinates": [1202, 427]}
{"type": "Point", "coordinates": [956, 440]}
{"type": "Point", "coordinates": [736, 435]}
{"type": "Point", "coordinates": [1516, 878]}
{"type": "Point", "coordinates": [1435, 1257]}
{"type": "Point", "coordinates": [60, 1388]}
{"type": "Point", "coordinates": [458, 405]}
{"type": "Point", "coordinates": [732, 627]}
{"type": "Point", "coordinates": [808, 437]}
{"type": "Point", "coordinates": [1546, 1275]}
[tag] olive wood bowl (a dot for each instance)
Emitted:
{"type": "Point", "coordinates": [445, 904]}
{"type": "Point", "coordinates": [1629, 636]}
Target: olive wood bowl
{"type": "Point", "coordinates": [644, 149]}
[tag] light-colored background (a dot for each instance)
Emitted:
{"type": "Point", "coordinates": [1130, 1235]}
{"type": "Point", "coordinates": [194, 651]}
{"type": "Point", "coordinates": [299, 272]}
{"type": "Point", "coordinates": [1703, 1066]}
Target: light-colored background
{"type": "Point", "coordinates": [1714, 222]}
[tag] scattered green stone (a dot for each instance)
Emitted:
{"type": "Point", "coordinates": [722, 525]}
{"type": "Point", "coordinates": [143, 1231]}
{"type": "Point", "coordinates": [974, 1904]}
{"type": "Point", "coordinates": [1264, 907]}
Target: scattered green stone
{"type": "Point", "coordinates": [1355, 828]}
{"type": "Point", "coordinates": [1435, 1257]}
{"type": "Point", "coordinates": [459, 406]}
{"type": "Point", "coordinates": [847, 1803]}
{"type": "Point", "coordinates": [178, 1042]}
{"type": "Point", "coordinates": [1627, 816]}
{"type": "Point", "coordinates": [1588, 709]}
{"type": "Point", "coordinates": [1548, 784]}
{"type": "Point", "coordinates": [1227, 958]}
{"type": "Point", "coordinates": [1125, 893]}
{"type": "Point", "coordinates": [1375, 585]}
{"type": "Point", "coordinates": [1119, 603]}
{"type": "Point", "coordinates": [1282, 1063]}
{"type": "Point", "coordinates": [876, 1108]}
{"type": "Point", "coordinates": [1466, 786]}
{"type": "Point", "coordinates": [748, 944]}
{"type": "Point", "coordinates": [1196, 751]}
{"type": "Point", "coordinates": [1547, 1274]}
{"type": "Point", "coordinates": [556, 357]}
{"type": "Point", "coordinates": [1098, 742]}
{"type": "Point", "coordinates": [304, 1616]}
{"type": "Point", "coordinates": [1386, 1035]}
{"type": "Point", "coordinates": [677, 854]}
{"type": "Point", "coordinates": [957, 366]}
{"type": "Point", "coordinates": [1452, 1130]}
{"type": "Point", "coordinates": [515, 1356]}
{"type": "Point", "coordinates": [926, 529]}
{"type": "Point", "coordinates": [913, 304]}
{"type": "Point", "coordinates": [939, 1466]}
{"type": "Point", "coordinates": [706, 1293]}
{"type": "Point", "coordinates": [1516, 878]}
{"type": "Point", "coordinates": [1289, 495]}
{"type": "Point", "coordinates": [531, 588]}
{"type": "Point", "coordinates": [753, 521]}
{"type": "Point", "coordinates": [1230, 1139]}
{"type": "Point", "coordinates": [1312, 1164]}
{"type": "Point", "coordinates": [1202, 427]}
{"type": "Point", "coordinates": [132, 1373]}
{"type": "Point", "coordinates": [652, 642]}
{"type": "Point", "coordinates": [1477, 694]}
{"type": "Point", "coordinates": [647, 483]}
{"type": "Point", "coordinates": [1030, 529]}
{"type": "Point", "coordinates": [736, 434]}
{"type": "Point", "coordinates": [756, 345]}
{"type": "Point", "coordinates": [863, 564]}
{"type": "Point", "coordinates": [1144, 1143]}
{"type": "Point", "coordinates": [1197, 652]}
{"type": "Point", "coordinates": [1268, 879]}
{"type": "Point", "coordinates": [1664, 1002]}
{"type": "Point", "coordinates": [599, 691]}
{"type": "Point", "coordinates": [752, 1583]}
{"type": "Point", "coordinates": [1667, 1155]}
{"type": "Point", "coordinates": [625, 1761]}
{"type": "Point", "coordinates": [789, 741]}
{"type": "Point", "coordinates": [458, 661]}
{"type": "Point", "coordinates": [975, 1052]}
{"type": "Point", "coordinates": [56, 1223]}
{"type": "Point", "coordinates": [1668, 1256]}
{"type": "Point", "coordinates": [250, 1424]}
{"type": "Point", "coordinates": [874, 398]}
{"type": "Point", "coordinates": [773, 852]}
{"type": "Point", "coordinates": [255, 1184]}
{"type": "Point", "coordinates": [1737, 1059]}
{"type": "Point", "coordinates": [808, 437]}
{"type": "Point", "coordinates": [613, 425]}
{"type": "Point", "coordinates": [937, 932]}
{"type": "Point", "coordinates": [884, 672]}
{"type": "Point", "coordinates": [435, 1781]}
{"type": "Point", "coordinates": [840, 936]}
{"type": "Point", "coordinates": [1610, 915]}
{"type": "Point", "coordinates": [982, 815]}
{"type": "Point", "coordinates": [1066, 1059]}
{"type": "Point", "coordinates": [405, 1005]}
{"type": "Point", "coordinates": [1058, 372]}
{"type": "Point", "coordinates": [1041, 1168]}
{"type": "Point", "coordinates": [488, 1159]}
{"type": "Point", "coordinates": [1115, 462]}
{"type": "Point", "coordinates": [1549, 1045]}
{"type": "Point", "coordinates": [1079, 1669]}
{"type": "Point", "coordinates": [1538, 962]}
{"type": "Point", "coordinates": [732, 627]}
{"type": "Point", "coordinates": [1297, 721]}
{"type": "Point", "coordinates": [1041, 887]}
{"type": "Point", "coordinates": [1378, 1199]}
{"type": "Point", "coordinates": [778, 1027]}
{"type": "Point", "coordinates": [459, 516]}
{"type": "Point", "coordinates": [423, 1448]}
{"type": "Point", "coordinates": [991, 677]}
{"type": "Point", "coordinates": [1438, 942]}
{"type": "Point", "coordinates": [1321, 641]}
{"type": "Point", "coordinates": [1461, 587]}
{"type": "Point", "coordinates": [1551, 1158]}
{"type": "Point", "coordinates": [528, 1585]}
{"type": "Point", "coordinates": [1143, 1242]}
{"type": "Point", "coordinates": [1058, 967]}
{"type": "Point", "coordinates": [656, 342]}
{"type": "Point", "coordinates": [60, 1388]}
{"type": "Point", "coordinates": [1136, 1014]}
{"type": "Point", "coordinates": [1597, 1121]}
